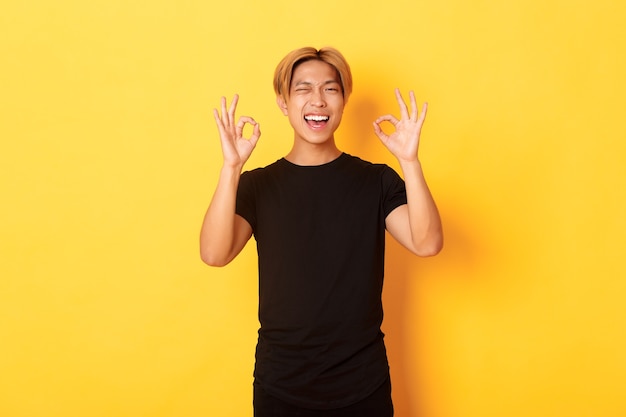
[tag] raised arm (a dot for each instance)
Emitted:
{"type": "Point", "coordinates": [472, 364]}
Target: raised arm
{"type": "Point", "coordinates": [416, 225]}
{"type": "Point", "coordinates": [224, 233]}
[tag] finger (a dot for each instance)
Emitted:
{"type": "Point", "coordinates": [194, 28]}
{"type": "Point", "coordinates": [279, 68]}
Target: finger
{"type": "Point", "coordinates": [382, 135]}
{"type": "Point", "coordinates": [423, 114]}
{"type": "Point", "coordinates": [256, 134]}
{"type": "Point", "coordinates": [413, 105]}
{"type": "Point", "coordinates": [387, 118]}
{"type": "Point", "coordinates": [232, 108]}
{"type": "Point", "coordinates": [242, 123]}
{"type": "Point", "coordinates": [379, 132]}
{"type": "Point", "coordinates": [233, 104]}
{"type": "Point", "coordinates": [239, 128]}
{"type": "Point", "coordinates": [248, 119]}
{"type": "Point", "coordinates": [404, 112]}
{"type": "Point", "coordinates": [224, 116]}
{"type": "Point", "coordinates": [218, 120]}
{"type": "Point", "coordinates": [216, 115]}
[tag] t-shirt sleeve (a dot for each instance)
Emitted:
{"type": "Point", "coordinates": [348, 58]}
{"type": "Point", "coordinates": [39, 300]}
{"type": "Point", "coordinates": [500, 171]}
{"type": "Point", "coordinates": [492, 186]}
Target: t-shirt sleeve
{"type": "Point", "coordinates": [394, 190]}
{"type": "Point", "coordinates": [246, 201]}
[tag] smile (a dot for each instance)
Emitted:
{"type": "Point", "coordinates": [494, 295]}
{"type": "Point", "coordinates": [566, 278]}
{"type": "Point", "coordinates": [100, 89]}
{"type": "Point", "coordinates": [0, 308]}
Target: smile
{"type": "Point", "coordinates": [316, 118]}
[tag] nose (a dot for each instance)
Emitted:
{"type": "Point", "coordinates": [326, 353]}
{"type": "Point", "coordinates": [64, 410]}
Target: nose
{"type": "Point", "coordinates": [317, 98]}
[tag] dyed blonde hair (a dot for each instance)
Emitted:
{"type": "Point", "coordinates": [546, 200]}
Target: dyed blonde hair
{"type": "Point", "coordinates": [284, 71]}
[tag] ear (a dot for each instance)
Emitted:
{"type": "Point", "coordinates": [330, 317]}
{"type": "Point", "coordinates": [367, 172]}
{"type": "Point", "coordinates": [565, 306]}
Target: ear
{"type": "Point", "coordinates": [282, 104]}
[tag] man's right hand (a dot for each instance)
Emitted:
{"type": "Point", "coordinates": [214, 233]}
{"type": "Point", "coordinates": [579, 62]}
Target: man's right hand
{"type": "Point", "coordinates": [235, 148]}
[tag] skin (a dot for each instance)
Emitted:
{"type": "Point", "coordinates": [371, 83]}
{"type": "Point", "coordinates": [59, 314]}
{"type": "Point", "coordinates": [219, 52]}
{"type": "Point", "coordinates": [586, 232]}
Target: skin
{"type": "Point", "coordinates": [316, 90]}
{"type": "Point", "coordinates": [417, 224]}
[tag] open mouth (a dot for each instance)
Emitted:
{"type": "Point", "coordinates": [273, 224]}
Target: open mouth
{"type": "Point", "coordinates": [316, 121]}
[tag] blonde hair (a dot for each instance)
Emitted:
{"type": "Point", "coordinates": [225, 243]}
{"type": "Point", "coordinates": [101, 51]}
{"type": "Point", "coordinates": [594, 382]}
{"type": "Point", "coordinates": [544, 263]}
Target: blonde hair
{"type": "Point", "coordinates": [285, 69]}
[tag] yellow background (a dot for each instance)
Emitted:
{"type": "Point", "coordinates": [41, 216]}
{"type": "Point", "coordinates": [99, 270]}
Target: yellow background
{"type": "Point", "coordinates": [109, 156]}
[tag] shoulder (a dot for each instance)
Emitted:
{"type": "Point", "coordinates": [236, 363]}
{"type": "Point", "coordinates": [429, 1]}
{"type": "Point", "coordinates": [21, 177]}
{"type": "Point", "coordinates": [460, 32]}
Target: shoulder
{"type": "Point", "coordinates": [260, 172]}
{"type": "Point", "coordinates": [358, 163]}
{"type": "Point", "coordinates": [364, 166]}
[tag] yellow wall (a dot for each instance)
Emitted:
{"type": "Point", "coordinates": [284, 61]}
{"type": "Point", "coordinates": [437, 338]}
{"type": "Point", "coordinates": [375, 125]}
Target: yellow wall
{"type": "Point", "coordinates": [109, 156]}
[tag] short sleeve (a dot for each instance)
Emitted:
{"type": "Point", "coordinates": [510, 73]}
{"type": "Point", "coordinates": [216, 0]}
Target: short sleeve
{"type": "Point", "coordinates": [394, 190]}
{"type": "Point", "coordinates": [246, 198]}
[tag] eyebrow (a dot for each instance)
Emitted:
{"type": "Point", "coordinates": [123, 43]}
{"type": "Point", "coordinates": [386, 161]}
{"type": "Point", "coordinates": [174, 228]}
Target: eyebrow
{"type": "Point", "coordinates": [307, 83]}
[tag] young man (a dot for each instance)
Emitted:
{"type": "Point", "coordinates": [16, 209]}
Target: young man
{"type": "Point", "coordinates": [319, 218]}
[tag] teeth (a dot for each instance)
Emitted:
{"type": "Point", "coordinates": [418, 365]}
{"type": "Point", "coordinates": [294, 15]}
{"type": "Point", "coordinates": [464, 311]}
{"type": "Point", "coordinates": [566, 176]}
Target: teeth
{"type": "Point", "coordinates": [316, 118]}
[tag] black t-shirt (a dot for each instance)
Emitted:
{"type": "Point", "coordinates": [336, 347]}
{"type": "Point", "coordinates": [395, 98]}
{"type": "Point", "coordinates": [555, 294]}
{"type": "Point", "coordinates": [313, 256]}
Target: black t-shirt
{"type": "Point", "coordinates": [320, 233]}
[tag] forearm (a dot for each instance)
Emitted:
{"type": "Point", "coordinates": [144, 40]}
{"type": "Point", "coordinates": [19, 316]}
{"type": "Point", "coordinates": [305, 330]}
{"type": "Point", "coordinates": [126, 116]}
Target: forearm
{"type": "Point", "coordinates": [217, 235]}
{"type": "Point", "coordinates": [424, 219]}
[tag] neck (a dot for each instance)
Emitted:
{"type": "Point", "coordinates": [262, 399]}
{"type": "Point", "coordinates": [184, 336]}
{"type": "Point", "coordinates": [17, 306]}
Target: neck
{"type": "Point", "coordinates": [313, 154]}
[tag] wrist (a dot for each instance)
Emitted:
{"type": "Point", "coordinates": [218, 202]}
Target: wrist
{"type": "Point", "coordinates": [409, 163]}
{"type": "Point", "coordinates": [231, 169]}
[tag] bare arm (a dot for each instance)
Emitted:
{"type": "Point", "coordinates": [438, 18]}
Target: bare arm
{"type": "Point", "coordinates": [224, 234]}
{"type": "Point", "coordinates": [416, 225]}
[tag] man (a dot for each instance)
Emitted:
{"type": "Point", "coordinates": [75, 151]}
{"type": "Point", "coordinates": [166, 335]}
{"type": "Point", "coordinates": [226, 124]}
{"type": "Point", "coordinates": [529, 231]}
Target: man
{"type": "Point", "coordinates": [319, 218]}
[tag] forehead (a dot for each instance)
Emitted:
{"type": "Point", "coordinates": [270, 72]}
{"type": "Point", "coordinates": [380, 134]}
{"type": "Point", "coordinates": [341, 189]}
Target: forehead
{"type": "Point", "coordinates": [315, 71]}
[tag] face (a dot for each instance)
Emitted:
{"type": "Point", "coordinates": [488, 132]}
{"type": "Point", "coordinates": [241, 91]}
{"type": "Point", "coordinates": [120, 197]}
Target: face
{"type": "Point", "coordinates": [315, 103]}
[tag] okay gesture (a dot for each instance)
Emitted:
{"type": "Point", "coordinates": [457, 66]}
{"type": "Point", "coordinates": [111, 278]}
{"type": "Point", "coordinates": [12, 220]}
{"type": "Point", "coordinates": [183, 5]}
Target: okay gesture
{"type": "Point", "coordinates": [235, 148]}
{"type": "Point", "coordinates": [404, 142]}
